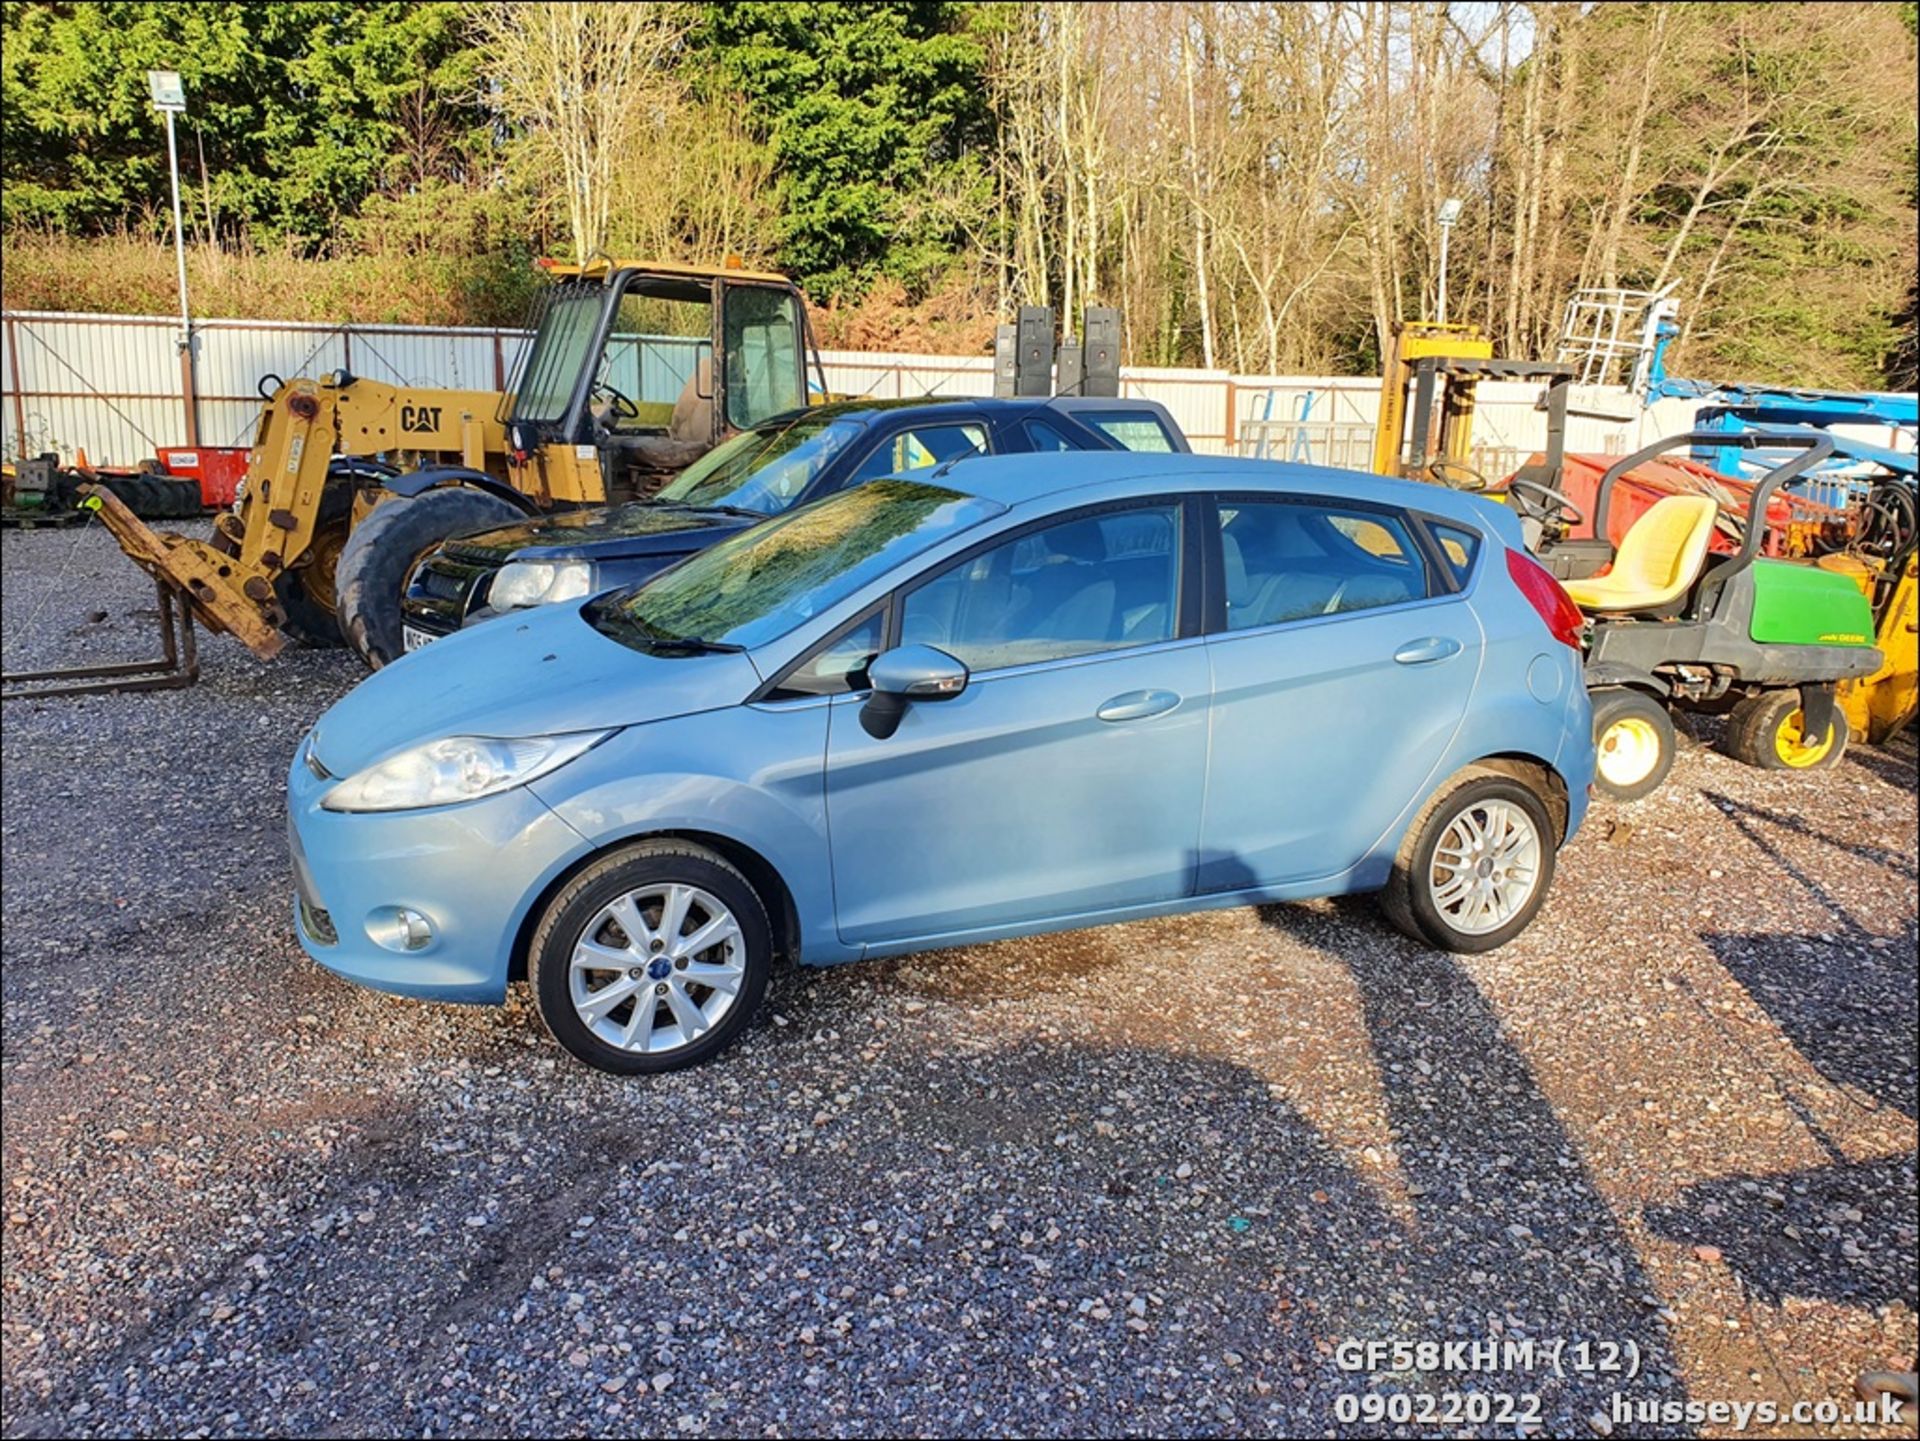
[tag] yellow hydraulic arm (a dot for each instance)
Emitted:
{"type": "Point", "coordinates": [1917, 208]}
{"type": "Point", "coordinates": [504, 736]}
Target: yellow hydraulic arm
{"type": "Point", "coordinates": [229, 581]}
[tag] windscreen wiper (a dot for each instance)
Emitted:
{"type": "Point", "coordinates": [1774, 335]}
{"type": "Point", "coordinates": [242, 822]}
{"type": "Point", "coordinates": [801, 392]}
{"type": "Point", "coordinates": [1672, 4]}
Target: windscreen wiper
{"type": "Point", "coordinates": [689, 645]}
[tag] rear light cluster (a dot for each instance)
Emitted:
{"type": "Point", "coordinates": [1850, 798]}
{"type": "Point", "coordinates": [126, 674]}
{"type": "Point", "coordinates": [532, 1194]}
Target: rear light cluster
{"type": "Point", "coordinates": [1545, 595]}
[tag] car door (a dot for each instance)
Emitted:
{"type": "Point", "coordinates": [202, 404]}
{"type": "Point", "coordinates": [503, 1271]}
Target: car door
{"type": "Point", "coordinates": [1067, 777]}
{"type": "Point", "coordinates": [1343, 659]}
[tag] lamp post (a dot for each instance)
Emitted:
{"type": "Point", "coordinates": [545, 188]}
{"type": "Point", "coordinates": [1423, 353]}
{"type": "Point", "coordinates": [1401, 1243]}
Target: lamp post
{"type": "Point", "coordinates": [1449, 212]}
{"type": "Point", "coordinates": [170, 98]}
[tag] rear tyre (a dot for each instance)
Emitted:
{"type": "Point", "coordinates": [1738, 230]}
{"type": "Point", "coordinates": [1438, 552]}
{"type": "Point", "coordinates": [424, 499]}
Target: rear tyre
{"type": "Point", "coordinates": [1766, 731]}
{"type": "Point", "coordinates": [383, 548]}
{"type": "Point", "coordinates": [1633, 743]}
{"type": "Point", "coordinates": [1475, 866]}
{"type": "Point", "coordinates": [652, 959]}
{"type": "Point", "coordinates": [307, 593]}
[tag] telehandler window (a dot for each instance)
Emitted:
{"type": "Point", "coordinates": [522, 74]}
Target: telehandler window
{"type": "Point", "coordinates": [763, 354]}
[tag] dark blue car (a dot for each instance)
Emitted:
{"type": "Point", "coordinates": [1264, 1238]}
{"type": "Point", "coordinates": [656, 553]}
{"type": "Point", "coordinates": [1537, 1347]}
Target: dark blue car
{"type": "Point", "coordinates": [783, 462]}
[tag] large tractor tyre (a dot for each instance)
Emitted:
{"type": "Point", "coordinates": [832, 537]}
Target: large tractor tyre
{"type": "Point", "coordinates": [386, 545]}
{"type": "Point", "coordinates": [155, 496]}
{"type": "Point", "coordinates": [1766, 731]}
{"type": "Point", "coordinates": [306, 592]}
{"type": "Point", "coordinates": [1633, 743]}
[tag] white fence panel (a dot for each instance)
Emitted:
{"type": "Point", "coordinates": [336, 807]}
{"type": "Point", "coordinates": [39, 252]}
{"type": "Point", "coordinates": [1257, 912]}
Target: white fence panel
{"type": "Point", "coordinates": [112, 386]}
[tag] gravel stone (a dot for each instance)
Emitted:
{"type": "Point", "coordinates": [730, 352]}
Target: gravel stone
{"type": "Point", "coordinates": [1140, 1179]}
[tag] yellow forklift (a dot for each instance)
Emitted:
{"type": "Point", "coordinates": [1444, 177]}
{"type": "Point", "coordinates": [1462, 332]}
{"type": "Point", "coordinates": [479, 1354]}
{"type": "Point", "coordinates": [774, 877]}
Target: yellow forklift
{"type": "Point", "coordinates": [351, 480]}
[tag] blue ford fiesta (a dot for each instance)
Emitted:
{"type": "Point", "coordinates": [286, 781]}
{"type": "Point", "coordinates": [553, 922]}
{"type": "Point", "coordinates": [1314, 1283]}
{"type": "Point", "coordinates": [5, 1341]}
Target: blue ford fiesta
{"type": "Point", "coordinates": [1009, 696]}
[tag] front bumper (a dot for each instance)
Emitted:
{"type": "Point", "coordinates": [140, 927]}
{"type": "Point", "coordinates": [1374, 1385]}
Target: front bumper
{"type": "Point", "coordinates": [474, 870]}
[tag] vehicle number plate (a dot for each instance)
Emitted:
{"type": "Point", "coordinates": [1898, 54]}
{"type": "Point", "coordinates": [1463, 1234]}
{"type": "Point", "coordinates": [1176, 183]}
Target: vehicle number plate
{"type": "Point", "coordinates": [411, 639]}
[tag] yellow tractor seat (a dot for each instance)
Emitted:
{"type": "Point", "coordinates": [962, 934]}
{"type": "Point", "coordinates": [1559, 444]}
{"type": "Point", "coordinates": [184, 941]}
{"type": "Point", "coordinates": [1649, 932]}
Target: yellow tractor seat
{"type": "Point", "coordinates": [1657, 560]}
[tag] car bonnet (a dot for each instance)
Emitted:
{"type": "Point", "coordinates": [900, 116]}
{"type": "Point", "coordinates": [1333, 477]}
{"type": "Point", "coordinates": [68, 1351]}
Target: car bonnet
{"type": "Point", "coordinates": [543, 672]}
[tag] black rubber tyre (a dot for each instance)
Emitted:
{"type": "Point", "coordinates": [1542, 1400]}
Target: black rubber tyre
{"type": "Point", "coordinates": [154, 496]}
{"type": "Point", "coordinates": [1634, 742]}
{"type": "Point", "coordinates": [1764, 731]}
{"type": "Point", "coordinates": [631, 868]}
{"type": "Point", "coordinates": [1407, 899]}
{"type": "Point", "coordinates": [383, 548]}
{"type": "Point", "coordinates": [312, 620]}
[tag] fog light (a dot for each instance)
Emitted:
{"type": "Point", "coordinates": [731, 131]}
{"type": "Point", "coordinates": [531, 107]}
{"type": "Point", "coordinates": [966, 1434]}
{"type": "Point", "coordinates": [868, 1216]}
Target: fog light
{"type": "Point", "coordinates": [398, 928]}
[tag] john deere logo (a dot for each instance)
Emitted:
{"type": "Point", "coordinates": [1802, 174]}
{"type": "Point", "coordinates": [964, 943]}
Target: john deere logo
{"type": "Point", "coordinates": [419, 419]}
{"type": "Point", "coordinates": [1843, 637]}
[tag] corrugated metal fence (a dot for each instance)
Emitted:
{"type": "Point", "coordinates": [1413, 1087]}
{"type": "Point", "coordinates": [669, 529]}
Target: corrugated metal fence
{"type": "Point", "coordinates": [116, 387]}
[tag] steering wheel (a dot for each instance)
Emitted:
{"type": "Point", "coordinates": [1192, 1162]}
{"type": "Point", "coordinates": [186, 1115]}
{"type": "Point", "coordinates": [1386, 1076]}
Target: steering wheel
{"type": "Point", "coordinates": [1544, 504]}
{"type": "Point", "coordinates": [1457, 475]}
{"type": "Point", "coordinates": [624, 408]}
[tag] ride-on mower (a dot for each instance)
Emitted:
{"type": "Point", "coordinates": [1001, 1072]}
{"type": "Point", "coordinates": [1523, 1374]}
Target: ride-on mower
{"type": "Point", "coordinates": [1785, 648]}
{"type": "Point", "coordinates": [350, 480]}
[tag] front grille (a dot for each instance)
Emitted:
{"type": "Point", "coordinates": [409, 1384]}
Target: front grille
{"type": "Point", "coordinates": [317, 924]}
{"type": "Point", "coordinates": [444, 590]}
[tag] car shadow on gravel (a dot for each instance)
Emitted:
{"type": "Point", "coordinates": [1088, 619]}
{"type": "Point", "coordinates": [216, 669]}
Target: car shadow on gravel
{"type": "Point", "coordinates": [1508, 1220]}
{"type": "Point", "coordinates": [1846, 997]}
{"type": "Point", "coordinates": [1847, 1004]}
{"type": "Point", "coordinates": [1843, 1233]}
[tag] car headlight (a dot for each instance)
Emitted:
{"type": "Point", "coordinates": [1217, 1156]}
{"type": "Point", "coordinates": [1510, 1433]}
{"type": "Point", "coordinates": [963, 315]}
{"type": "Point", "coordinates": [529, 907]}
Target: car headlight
{"type": "Point", "coordinates": [459, 768]}
{"type": "Point", "coordinates": [523, 583]}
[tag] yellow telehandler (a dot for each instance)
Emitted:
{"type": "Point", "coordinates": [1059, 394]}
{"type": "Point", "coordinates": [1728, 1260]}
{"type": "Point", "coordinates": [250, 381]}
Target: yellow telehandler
{"type": "Point", "coordinates": [351, 481]}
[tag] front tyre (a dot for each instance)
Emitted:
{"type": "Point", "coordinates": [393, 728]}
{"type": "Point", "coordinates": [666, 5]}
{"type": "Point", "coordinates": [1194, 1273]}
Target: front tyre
{"type": "Point", "coordinates": [372, 573]}
{"type": "Point", "coordinates": [1475, 866]}
{"type": "Point", "coordinates": [1633, 743]}
{"type": "Point", "coordinates": [652, 959]}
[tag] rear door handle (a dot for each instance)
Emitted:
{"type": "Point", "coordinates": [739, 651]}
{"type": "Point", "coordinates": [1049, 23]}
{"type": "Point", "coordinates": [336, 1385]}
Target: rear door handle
{"type": "Point", "coordinates": [1427, 650]}
{"type": "Point", "coordinates": [1138, 705]}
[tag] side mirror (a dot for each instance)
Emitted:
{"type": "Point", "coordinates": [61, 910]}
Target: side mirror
{"type": "Point", "coordinates": [903, 675]}
{"type": "Point", "coordinates": [703, 374]}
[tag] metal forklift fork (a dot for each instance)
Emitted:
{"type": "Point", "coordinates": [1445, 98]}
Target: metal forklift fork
{"type": "Point", "coordinates": [177, 665]}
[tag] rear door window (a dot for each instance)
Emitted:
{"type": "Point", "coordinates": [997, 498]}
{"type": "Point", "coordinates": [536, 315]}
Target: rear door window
{"type": "Point", "coordinates": [1287, 561]}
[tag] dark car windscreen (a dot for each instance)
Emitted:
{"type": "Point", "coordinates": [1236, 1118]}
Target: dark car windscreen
{"type": "Point", "coordinates": [764, 469]}
{"type": "Point", "coordinates": [758, 585]}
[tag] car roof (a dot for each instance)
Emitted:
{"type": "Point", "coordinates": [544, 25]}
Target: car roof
{"type": "Point", "coordinates": [865, 408]}
{"type": "Point", "coordinates": [1018, 480]}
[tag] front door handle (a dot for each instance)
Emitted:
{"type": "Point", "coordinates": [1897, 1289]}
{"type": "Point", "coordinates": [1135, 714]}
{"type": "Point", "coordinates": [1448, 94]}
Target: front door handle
{"type": "Point", "coordinates": [1138, 705]}
{"type": "Point", "coordinates": [1427, 650]}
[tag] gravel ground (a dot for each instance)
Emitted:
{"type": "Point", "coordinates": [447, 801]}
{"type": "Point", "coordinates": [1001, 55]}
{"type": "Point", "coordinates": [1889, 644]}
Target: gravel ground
{"type": "Point", "coordinates": [1136, 1180]}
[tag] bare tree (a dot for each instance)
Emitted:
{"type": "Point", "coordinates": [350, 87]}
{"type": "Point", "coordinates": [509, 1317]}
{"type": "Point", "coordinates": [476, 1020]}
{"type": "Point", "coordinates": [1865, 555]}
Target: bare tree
{"type": "Point", "coordinates": [580, 82]}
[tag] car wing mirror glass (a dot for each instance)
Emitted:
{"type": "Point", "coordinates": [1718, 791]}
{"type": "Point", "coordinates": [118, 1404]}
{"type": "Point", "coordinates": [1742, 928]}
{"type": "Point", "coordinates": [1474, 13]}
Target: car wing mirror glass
{"type": "Point", "coordinates": [903, 675]}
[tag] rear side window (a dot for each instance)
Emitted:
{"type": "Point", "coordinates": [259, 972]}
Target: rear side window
{"type": "Point", "coordinates": [1044, 437]}
{"type": "Point", "coordinates": [1461, 547]}
{"type": "Point", "coordinates": [1285, 561]}
{"type": "Point", "coordinates": [1131, 429]}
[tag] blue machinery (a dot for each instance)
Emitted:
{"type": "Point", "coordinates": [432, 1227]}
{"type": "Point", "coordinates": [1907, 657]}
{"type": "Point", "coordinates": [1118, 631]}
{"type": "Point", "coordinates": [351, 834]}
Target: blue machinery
{"type": "Point", "coordinates": [1737, 409]}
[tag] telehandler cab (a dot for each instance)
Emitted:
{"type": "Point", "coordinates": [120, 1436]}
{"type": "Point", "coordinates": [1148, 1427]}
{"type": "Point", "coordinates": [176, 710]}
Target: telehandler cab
{"type": "Point", "coordinates": [351, 480]}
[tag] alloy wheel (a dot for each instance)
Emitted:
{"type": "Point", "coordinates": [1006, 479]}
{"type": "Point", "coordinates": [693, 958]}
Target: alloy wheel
{"type": "Point", "coordinates": [657, 968]}
{"type": "Point", "coordinates": [1486, 867]}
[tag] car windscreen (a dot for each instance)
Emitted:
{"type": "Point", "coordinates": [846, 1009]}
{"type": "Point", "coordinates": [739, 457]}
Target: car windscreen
{"type": "Point", "coordinates": [758, 585]}
{"type": "Point", "coordinates": [764, 469]}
